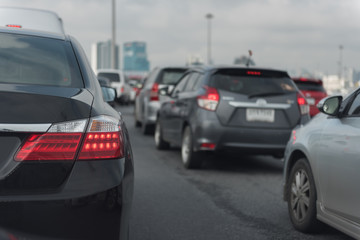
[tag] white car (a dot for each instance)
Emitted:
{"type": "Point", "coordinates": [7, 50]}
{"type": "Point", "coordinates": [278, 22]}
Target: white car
{"type": "Point", "coordinates": [29, 18]}
{"type": "Point", "coordinates": [117, 81]}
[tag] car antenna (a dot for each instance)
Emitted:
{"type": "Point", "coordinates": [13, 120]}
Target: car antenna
{"type": "Point", "coordinates": [249, 59]}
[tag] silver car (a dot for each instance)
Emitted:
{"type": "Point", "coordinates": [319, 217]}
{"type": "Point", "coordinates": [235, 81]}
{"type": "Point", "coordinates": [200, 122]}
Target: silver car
{"type": "Point", "coordinates": [147, 103]}
{"type": "Point", "coordinates": [321, 172]}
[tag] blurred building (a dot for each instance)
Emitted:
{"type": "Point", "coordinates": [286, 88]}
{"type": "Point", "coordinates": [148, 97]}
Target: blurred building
{"type": "Point", "coordinates": [101, 55]}
{"type": "Point", "coordinates": [135, 57]}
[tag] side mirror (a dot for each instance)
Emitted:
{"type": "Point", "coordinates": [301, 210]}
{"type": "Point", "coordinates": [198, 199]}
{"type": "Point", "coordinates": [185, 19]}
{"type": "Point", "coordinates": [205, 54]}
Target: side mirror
{"type": "Point", "coordinates": [109, 95]}
{"type": "Point", "coordinates": [330, 105]}
{"type": "Point", "coordinates": [164, 91]}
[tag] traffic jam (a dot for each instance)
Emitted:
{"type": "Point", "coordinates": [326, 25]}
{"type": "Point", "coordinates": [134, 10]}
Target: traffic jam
{"type": "Point", "coordinates": [70, 142]}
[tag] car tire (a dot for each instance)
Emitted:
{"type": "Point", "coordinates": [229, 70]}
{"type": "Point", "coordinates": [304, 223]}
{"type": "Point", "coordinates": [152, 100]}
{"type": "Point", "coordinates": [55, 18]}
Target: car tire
{"type": "Point", "coordinates": [147, 129]}
{"type": "Point", "coordinates": [190, 158]}
{"type": "Point", "coordinates": [160, 143]}
{"type": "Point", "coordinates": [301, 197]}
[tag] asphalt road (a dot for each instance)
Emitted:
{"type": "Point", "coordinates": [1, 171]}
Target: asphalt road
{"type": "Point", "coordinates": [230, 198]}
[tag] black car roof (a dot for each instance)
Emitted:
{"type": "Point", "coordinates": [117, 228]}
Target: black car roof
{"type": "Point", "coordinates": [35, 33]}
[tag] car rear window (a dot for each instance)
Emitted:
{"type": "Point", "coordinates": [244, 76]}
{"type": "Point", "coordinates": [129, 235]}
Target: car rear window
{"type": "Point", "coordinates": [38, 61]}
{"type": "Point", "coordinates": [113, 77]}
{"type": "Point", "coordinates": [252, 84]}
{"type": "Point", "coordinates": [310, 86]}
{"type": "Point", "coordinates": [170, 76]}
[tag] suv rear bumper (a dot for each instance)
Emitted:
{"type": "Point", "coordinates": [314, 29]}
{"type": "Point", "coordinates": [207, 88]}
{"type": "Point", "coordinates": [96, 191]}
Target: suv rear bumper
{"type": "Point", "coordinates": [252, 140]}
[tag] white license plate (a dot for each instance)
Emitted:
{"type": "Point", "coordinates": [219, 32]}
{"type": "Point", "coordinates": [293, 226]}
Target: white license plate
{"type": "Point", "coordinates": [259, 114]}
{"type": "Point", "coordinates": [310, 101]}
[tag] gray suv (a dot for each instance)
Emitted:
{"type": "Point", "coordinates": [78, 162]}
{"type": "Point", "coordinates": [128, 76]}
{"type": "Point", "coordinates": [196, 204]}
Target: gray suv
{"type": "Point", "coordinates": [147, 102]}
{"type": "Point", "coordinates": [213, 108]}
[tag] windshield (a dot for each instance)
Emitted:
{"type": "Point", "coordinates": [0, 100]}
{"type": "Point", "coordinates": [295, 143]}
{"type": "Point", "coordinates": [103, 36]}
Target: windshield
{"type": "Point", "coordinates": [113, 77]}
{"type": "Point", "coordinates": [38, 61]}
{"type": "Point", "coordinates": [170, 76]}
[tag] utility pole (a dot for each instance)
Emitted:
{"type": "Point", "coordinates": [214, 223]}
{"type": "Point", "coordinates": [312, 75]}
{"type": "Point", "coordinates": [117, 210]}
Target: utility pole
{"type": "Point", "coordinates": [113, 35]}
{"type": "Point", "coordinates": [209, 16]}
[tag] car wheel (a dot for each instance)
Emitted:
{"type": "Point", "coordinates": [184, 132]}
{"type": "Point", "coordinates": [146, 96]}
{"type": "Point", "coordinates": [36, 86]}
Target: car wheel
{"type": "Point", "coordinates": [159, 141]}
{"type": "Point", "coordinates": [189, 158]}
{"type": "Point", "coordinates": [147, 129]}
{"type": "Point", "coordinates": [301, 196]}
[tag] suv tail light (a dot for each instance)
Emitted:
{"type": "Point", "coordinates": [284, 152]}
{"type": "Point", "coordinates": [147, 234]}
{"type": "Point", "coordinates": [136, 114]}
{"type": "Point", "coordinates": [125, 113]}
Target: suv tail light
{"type": "Point", "coordinates": [209, 100]}
{"type": "Point", "coordinates": [303, 105]}
{"type": "Point", "coordinates": [154, 95]}
{"type": "Point", "coordinates": [103, 140]}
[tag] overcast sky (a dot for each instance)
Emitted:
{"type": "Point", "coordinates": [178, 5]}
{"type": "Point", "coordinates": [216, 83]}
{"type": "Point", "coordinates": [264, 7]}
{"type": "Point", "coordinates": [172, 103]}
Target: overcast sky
{"type": "Point", "coordinates": [285, 34]}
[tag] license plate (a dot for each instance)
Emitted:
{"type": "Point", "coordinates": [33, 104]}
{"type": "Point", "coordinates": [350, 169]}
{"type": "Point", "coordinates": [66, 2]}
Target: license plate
{"type": "Point", "coordinates": [310, 101]}
{"type": "Point", "coordinates": [260, 115]}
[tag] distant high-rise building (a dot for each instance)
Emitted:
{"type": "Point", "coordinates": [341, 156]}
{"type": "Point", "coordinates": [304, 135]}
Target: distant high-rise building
{"type": "Point", "coordinates": [101, 55]}
{"type": "Point", "coordinates": [135, 57]}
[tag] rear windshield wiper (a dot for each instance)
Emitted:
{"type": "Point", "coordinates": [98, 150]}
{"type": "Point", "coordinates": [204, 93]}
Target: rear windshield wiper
{"type": "Point", "coordinates": [266, 94]}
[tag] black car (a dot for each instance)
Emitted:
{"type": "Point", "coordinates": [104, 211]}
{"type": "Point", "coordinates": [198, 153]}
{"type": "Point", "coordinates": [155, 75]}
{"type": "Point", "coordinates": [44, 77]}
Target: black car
{"type": "Point", "coordinates": [211, 109]}
{"type": "Point", "coordinates": [59, 140]}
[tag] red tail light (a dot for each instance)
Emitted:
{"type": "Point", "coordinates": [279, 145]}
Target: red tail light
{"type": "Point", "coordinates": [14, 25]}
{"type": "Point", "coordinates": [210, 99]}
{"type": "Point", "coordinates": [208, 146]}
{"type": "Point", "coordinates": [101, 145]}
{"type": "Point", "coordinates": [49, 146]}
{"type": "Point", "coordinates": [154, 95]}
{"type": "Point", "coordinates": [122, 89]}
{"type": "Point", "coordinates": [303, 105]}
{"type": "Point", "coordinates": [103, 140]}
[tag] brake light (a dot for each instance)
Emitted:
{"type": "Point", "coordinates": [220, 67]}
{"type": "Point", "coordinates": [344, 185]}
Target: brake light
{"type": "Point", "coordinates": [59, 143]}
{"type": "Point", "coordinates": [101, 145]}
{"type": "Point", "coordinates": [209, 100]}
{"type": "Point", "coordinates": [122, 89]}
{"type": "Point", "coordinates": [303, 105]}
{"type": "Point", "coordinates": [154, 95]}
{"type": "Point", "coordinates": [207, 146]}
{"type": "Point", "coordinates": [14, 25]}
{"type": "Point", "coordinates": [103, 140]}
{"type": "Point", "coordinates": [257, 73]}
{"type": "Point", "coordinates": [49, 146]}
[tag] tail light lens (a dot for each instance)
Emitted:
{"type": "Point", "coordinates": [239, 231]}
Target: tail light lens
{"type": "Point", "coordinates": [50, 146]}
{"type": "Point", "coordinates": [122, 89]}
{"type": "Point", "coordinates": [154, 95]}
{"type": "Point", "coordinates": [303, 105]}
{"type": "Point", "coordinates": [209, 100]}
{"type": "Point", "coordinates": [103, 140]}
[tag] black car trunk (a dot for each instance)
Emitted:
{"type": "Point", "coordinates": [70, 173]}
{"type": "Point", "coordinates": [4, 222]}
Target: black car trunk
{"type": "Point", "coordinates": [32, 109]}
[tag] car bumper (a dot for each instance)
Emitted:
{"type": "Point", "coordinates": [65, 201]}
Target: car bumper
{"type": "Point", "coordinates": [151, 112]}
{"type": "Point", "coordinates": [86, 178]}
{"type": "Point", "coordinates": [208, 129]}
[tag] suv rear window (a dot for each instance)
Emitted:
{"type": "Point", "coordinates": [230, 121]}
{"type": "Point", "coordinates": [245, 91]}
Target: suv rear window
{"type": "Point", "coordinates": [113, 77]}
{"type": "Point", "coordinates": [170, 76]}
{"type": "Point", "coordinates": [38, 61]}
{"type": "Point", "coordinates": [310, 86]}
{"type": "Point", "coordinates": [242, 83]}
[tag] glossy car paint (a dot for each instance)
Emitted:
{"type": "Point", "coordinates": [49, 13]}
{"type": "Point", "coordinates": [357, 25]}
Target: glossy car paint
{"type": "Point", "coordinates": [26, 109]}
{"type": "Point", "coordinates": [330, 144]}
